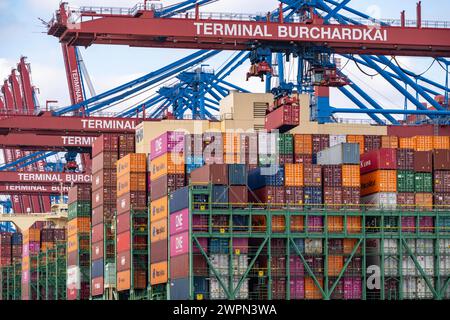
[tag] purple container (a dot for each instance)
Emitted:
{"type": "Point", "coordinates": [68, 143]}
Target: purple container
{"type": "Point", "coordinates": [241, 244]}
{"type": "Point", "coordinates": [408, 224]}
{"type": "Point", "coordinates": [426, 224]}
{"type": "Point", "coordinates": [203, 242]}
{"type": "Point", "coordinates": [179, 222]}
{"type": "Point", "coordinates": [352, 288]}
{"type": "Point", "coordinates": [179, 244]}
{"type": "Point", "coordinates": [297, 288]}
{"type": "Point", "coordinates": [200, 223]}
{"type": "Point", "coordinates": [296, 266]}
{"type": "Point", "coordinates": [315, 224]}
{"type": "Point", "coordinates": [171, 141]}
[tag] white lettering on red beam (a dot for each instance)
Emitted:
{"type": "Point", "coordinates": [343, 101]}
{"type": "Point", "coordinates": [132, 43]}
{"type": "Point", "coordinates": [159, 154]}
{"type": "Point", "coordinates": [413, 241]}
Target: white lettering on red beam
{"type": "Point", "coordinates": [291, 32]}
{"type": "Point", "coordinates": [77, 86]}
{"type": "Point", "coordinates": [55, 177]}
{"type": "Point", "coordinates": [108, 124]}
{"type": "Point", "coordinates": [85, 141]}
{"type": "Point", "coordinates": [35, 188]}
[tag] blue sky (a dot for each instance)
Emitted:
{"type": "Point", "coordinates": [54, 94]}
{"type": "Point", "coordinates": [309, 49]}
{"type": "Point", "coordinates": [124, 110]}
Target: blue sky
{"type": "Point", "coordinates": [21, 33]}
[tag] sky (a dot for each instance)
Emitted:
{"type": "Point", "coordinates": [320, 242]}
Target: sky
{"type": "Point", "coordinates": [22, 34]}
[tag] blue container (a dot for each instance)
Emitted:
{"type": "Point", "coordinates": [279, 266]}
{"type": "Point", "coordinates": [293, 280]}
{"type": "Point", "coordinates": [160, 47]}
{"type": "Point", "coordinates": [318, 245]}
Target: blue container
{"type": "Point", "coordinates": [16, 238]}
{"type": "Point", "coordinates": [443, 225]}
{"type": "Point", "coordinates": [240, 223]}
{"type": "Point", "coordinates": [270, 176]}
{"type": "Point", "coordinates": [201, 287]}
{"type": "Point", "coordinates": [237, 174]}
{"type": "Point", "coordinates": [194, 160]}
{"type": "Point", "coordinates": [179, 289]}
{"type": "Point", "coordinates": [179, 200]}
{"type": "Point", "coordinates": [97, 268]}
{"type": "Point", "coordinates": [300, 243]}
{"type": "Point", "coordinates": [219, 246]}
{"type": "Point", "coordinates": [219, 196]}
{"type": "Point", "coordinates": [314, 158]}
{"type": "Point", "coordinates": [312, 195]}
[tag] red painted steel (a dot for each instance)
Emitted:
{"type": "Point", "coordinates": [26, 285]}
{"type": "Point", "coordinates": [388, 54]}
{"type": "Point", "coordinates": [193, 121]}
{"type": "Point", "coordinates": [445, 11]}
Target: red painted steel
{"type": "Point", "coordinates": [42, 142]}
{"type": "Point", "coordinates": [382, 159]}
{"type": "Point", "coordinates": [9, 100]}
{"type": "Point", "coordinates": [44, 178]}
{"type": "Point", "coordinates": [15, 87]}
{"type": "Point", "coordinates": [27, 88]}
{"type": "Point", "coordinates": [73, 74]}
{"type": "Point", "coordinates": [147, 31]}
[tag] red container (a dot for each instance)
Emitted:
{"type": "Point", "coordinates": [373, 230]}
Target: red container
{"type": "Point", "coordinates": [332, 196]}
{"type": "Point", "coordinates": [123, 222]}
{"type": "Point", "coordinates": [285, 158]}
{"type": "Point", "coordinates": [158, 251]}
{"type": "Point", "coordinates": [372, 143]}
{"type": "Point", "coordinates": [97, 250]}
{"type": "Point", "coordinates": [270, 195]}
{"type": "Point", "coordinates": [332, 175]}
{"type": "Point", "coordinates": [442, 181]}
{"type": "Point", "coordinates": [423, 161]}
{"type": "Point", "coordinates": [123, 242]}
{"type": "Point", "coordinates": [406, 200]}
{"type": "Point", "coordinates": [382, 159]}
{"type": "Point", "coordinates": [293, 196]}
{"type": "Point", "coordinates": [442, 200]}
{"type": "Point", "coordinates": [106, 142]}
{"type": "Point", "coordinates": [441, 159]}
{"type": "Point", "coordinates": [79, 193]}
{"type": "Point", "coordinates": [420, 130]}
{"type": "Point", "coordinates": [279, 289]}
{"type": "Point", "coordinates": [303, 158]}
{"type": "Point", "coordinates": [97, 233]}
{"type": "Point", "coordinates": [283, 118]}
{"type": "Point", "coordinates": [179, 267]}
{"type": "Point", "coordinates": [135, 199]}
{"type": "Point", "coordinates": [103, 196]}
{"type": "Point", "coordinates": [104, 178]}
{"type": "Point", "coordinates": [97, 286]}
{"type": "Point", "coordinates": [123, 261]}
{"type": "Point", "coordinates": [213, 173]}
{"type": "Point", "coordinates": [238, 196]}
{"type": "Point", "coordinates": [103, 213]}
{"type": "Point", "coordinates": [405, 159]}
{"type": "Point", "coordinates": [312, 175]}
{"type": "Point", "coordinates": [166, 184]}
{"type": "Point", "coordinates": [351, 196]}
{"type": "Point", "coordinates": [104, 160]}
{"type": "Point", "coordinates": [320, 142]}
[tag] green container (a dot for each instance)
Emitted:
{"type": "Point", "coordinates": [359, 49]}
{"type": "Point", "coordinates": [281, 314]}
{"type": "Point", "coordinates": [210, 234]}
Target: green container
{"type": "Point", "coordinates": [423, 182]}
{"type": "Point", "coordinates": [79, 209]}
{"type": "Point", "coordinates": [286, 143]}
{"type": "Point", "coordinates": [405, 181]}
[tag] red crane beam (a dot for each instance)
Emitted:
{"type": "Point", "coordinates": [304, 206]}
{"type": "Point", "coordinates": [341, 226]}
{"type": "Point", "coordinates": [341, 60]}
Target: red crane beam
{"type": "Point", "coordinates": [42, 142]}
{"type": "Point", "coordinates": [73, 74]}
{"type": "Point", "coordinates": [146, 30]}
{"type": "Point", "coordinates": [33, 189]}
{"type": "Point", "coordinates": [44, 178]}
{"type": "Point", "coordinates": [9, 100]}
{"type": "Point", "coordinates": [26, 84]}
{"type": "Point", "coordinates": [15, 86]}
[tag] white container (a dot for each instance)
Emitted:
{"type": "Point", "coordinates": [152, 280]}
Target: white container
{"type": "Point", "coordinates": [220, 264]}
{"type": "Point", "coordinates": [390, 246]}
{"type": "Point", "coordinates": [110, 275]}
{"type": "Point", "coordinates": [216, 291]}
{"type": "Point", "coordinates": [267, 143]}
{"type": "Point", "coordinates": [411, 243]}
{"type": "Point", "coordinates": [73, 277]}
{"type": "Point", "coordinates": [343, 153]}
{"type": "Point", "coordinates": [423, 291]}
{"type": "Point", "coordinates": [391, 266]}
{"type": "Point", "coordinates": [381, 200]}
{"type": "Point", "coordinates": [444, 246]}
{"type": "Point", "coordinates": [408, 267]}
{"type": "Point", "coordinates": [240, 264]}
{"type": "Point", "coordinates": [243, 290]}
{"type": "Point", "coordinates": [444, 266]}
{"type": "Point", "coordinates": [427, 264]}
{"type": "Point", "coordinates": [313, 246]}
{"type": "Point", "coordinates": [409, 288]}
{"type": "Point", "coordinates": [337, 139]}
{"type": "Point", "coordinates": [424, 246]}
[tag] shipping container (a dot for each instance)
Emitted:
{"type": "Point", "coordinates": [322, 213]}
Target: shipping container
{"type": "Point", "coordinates": [303, 144]}
{"type": "Point", "coordinates": [441, 159]}
{"type": "Point", "coordinates": [168, 163]}
{"type": "Point", "coordinates": [423, 161]}
{"type": "Point", "coordinates": [344, 153]}
{"type": "Point", "coordinates": [390, 141]}
{"type": "Point", "coordinates": [165, 185]}
{"type": "Point", "coordinates": [441, 181]}
{"type": "Point", "coordinates": [423, 182]}
{"type": "Point", "coordinates": [382, 159]}
{"type": "Point", "coordinates": [168, 142]}
{"type": "Point", "coordinates": [214, 173]}
{"type": "Point", "coordinates": [379, 181]}
{"type": "Point", "coordinates": [424, 143]}
{"type": "Point", "coordinates": [405, 159]}
{"type": "Point", "coordinates": [405, 181]}
{"type": "Point", "coordinates": [357, 139]}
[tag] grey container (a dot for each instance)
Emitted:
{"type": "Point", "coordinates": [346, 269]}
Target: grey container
{"type": "Point", "coordinates": [179, 289]}
{"type": "Point", "coordinates": [237, 174]}
{"type": "Point", "coordinates": [179, 200]}
{"type": "Point", "coordinates": [343, 153]}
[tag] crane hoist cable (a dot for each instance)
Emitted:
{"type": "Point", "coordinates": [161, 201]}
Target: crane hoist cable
{"type": "Point", "coordinates": [443, 68]}
{"type": "Point", "coordinates": [369, 75]}
{"type": "Point", "coordinates": [412, 74]}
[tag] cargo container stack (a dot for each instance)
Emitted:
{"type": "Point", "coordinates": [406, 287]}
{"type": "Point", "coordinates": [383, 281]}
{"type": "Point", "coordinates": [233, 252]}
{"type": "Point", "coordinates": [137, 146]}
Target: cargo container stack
{"type": "Point", "coordinates": [10, 275]}
{"type": "Point", "coordinates": [5, 263]}
{"type": "Point", "coordinates": [30, 251]}
{"type": "Point", "coordinates": [51, 264]}
{"type": "Point", "coordinates": [132, 226]}
{"type": "Point", "coordinates": [303, 149]}
{"type": "Point", "coordinates": [441, 166]}
{"type": "Point", "coordinates": [78, 243]}
{"type": "Point", "coordinates": [284, 114]}
{"type": "Point", "coordinates": [167, 174]}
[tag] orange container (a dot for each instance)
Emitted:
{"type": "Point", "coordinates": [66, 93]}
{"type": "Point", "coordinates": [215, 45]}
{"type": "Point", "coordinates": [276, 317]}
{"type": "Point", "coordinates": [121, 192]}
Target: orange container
{"type": "Point", "coordinates": [158, 209]}
{"type": "Point", "coordinates": [47, 246]}
{"type": "Point", "coordinates": [354, 225]}
{"type": "Point", "coordinates": [335, 265]}
{"type": "Point", "coordinates": [424, 201]}
{"type": "Point", "coordinates": [379, 181]}
{"type": "Point", "coordinates": [389, 142]}
{"type": "Point", "coordinates": [335, 224]}
{"type": "Point", "coordinates": [166, 164]}
{"type": "Point", "coordinates": [311, 290]}
{"type": "Point", "coordinates": [293, 175]}
{"type": "Point", "coordinates": [72, 243]}
{"type": "Point", "coordinates": [302, 143]}
{"type": "Point", "coordinates": [158, 230]}
{"type": "Point", "coordinates": [349, 244]}
{"type": "Point", "coordinates": [133, 162]}
{"type": "Point", "coordinates": [231, 142]}
{"type": "Point", "coordinates": [278, 223]}
{"type": "Point", "coordinates": [424, 143]}
{"type": "Point", "coordinates": [131, 182]}
{"type": "Point", "coordinates": [407, 143]}
{"type": "Point", "coordinates": [26, 263]}
{"type": "Point", "coordinates": [31, 235]}
{"type": "Point", "coordinates": [259, 223]}
{"type": "Point", "coordinates": [297, 224]}
{"type": "Point", "coordinates": [357, 139]}
{"type": "Point", "coordinates": [123, 280]}
{"type": "Point", "coordinates": [158, 273]}
{"type": "Point", "coordinates": [79, 225]}
{"type": "Point", "coordinates": [351, 176]}
{"type": "Point", "coordinates": [441, 142]}
{"type": "Point", "coordinates": [231, 158]}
